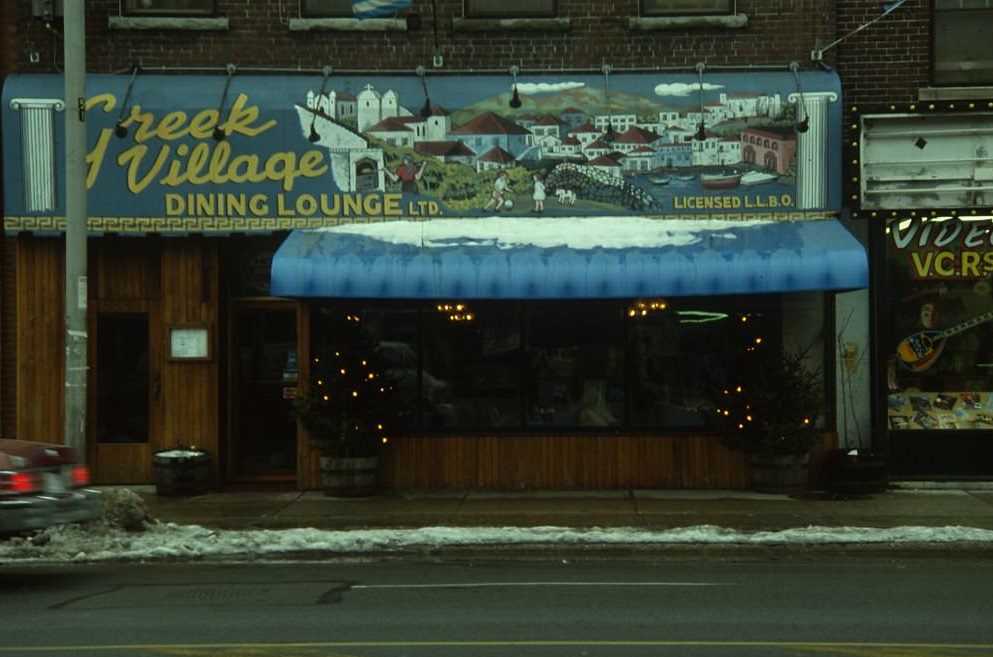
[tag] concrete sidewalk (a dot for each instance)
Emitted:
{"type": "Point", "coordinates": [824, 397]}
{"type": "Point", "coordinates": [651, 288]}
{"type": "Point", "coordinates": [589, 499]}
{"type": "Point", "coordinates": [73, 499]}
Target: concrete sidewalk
{"type": "Point", "coordinates": [645, 509]}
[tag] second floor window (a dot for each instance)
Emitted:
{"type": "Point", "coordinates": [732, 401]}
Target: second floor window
{"type": "Point", "coordinates": [168, 7]}
{"type": "Point", "coordinates": [509, 8]}
{"type": "Point", "coordinates": [686, 7]}
{"type": "Point", "coordinates": [326, 9]}
{"type": "Point", "coordinates": [962, 55]}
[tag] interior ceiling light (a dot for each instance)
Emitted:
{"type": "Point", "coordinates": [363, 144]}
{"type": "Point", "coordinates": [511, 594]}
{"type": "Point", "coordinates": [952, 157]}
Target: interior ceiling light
{"type": "Point", "coordinates": [802, 125]}
{"type": "Point", "coordinates": [219, 134]}
{"type": "Point", "coordinates": [314, 135]}
{"type": "Point", "coordinates": [701, 129]}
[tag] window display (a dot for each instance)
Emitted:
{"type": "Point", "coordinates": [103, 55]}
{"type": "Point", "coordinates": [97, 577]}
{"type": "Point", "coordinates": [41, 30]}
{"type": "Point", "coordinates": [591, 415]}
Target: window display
{"type": "Point", "coordinates": [940, 369]}
{"type": "Point", "coordinates": [587, 365]}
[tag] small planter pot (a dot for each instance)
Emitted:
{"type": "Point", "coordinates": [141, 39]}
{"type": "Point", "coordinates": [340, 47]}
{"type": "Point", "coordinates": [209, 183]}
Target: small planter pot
{"type": "Point", "coordinates": [349, 477]}
{"type": "Point", "coordinates": [855, 472]}
{"type": "Point", "coordinates": [779, 473]}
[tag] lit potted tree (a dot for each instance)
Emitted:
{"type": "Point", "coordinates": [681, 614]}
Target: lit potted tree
{"type": "Point", "coordinates": [768, 409]}
{"type": "Point", "coordinates": [347, 406]}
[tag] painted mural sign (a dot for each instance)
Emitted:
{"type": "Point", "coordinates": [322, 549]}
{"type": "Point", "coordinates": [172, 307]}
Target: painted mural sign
{"type": "Point", "coordinates": [200, 153]}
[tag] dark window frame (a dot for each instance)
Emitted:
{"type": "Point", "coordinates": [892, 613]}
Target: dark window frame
{"type": "Point", "coordinates": [133, 8]}
{"type": "Point", "coordinates": [308, 11]}
{"type": "Point", "coordinates": [730, 8]}
{"type": "Point", "coordinates": [469, 11]}
{"type": "Point", "coordinates": [983, 17]}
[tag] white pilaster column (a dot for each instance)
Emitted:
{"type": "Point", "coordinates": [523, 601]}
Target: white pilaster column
{"type": "Point", "coordinates": [38, 150]}
{"type": "Point", "coordinates": [811, 155]}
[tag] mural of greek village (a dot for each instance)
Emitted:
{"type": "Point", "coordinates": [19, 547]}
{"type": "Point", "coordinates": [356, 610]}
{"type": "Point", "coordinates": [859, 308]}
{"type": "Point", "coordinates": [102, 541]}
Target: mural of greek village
{"type": "Point", "coordinates": [620, 144]}
{"type": "Point", "coordinates": [258, 152]}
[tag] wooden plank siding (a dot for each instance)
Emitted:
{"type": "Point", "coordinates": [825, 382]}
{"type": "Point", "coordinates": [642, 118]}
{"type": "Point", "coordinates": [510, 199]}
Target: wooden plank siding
{"type": "Point", "coordinates": [560, 462]}
{"type": "Point", "coordinates": [40, 353]}
{"type": "Point", "coordinates": [172, 280]}
{"type": "Point", "coordinates": [190, 400]}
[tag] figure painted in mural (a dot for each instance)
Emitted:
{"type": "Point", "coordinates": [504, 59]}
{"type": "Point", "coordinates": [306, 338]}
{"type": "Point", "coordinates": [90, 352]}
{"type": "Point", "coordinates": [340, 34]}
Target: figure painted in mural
{"type": "Point", "coordinates": [408, 174]}
{"type": "Point", "coordinates": [539, 192]}
{"type": "Point", "coordinates": [498, 200]}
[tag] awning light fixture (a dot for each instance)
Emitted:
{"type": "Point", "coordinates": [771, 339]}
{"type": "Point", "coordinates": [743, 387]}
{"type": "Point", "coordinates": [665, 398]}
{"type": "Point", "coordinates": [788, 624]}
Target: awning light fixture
{"type": "Point", "coordinates": [120, 130]}
{"type": "Point", "coordinates": [515, 99]}
{"type": "Point", "coordinates": [219, 133]}
{"type": "Point", "coordinates": [422, 73]}
{"type": "Point", "coordinates": [802, 125]}
{"type": "Point", "coordinates": [701, 129]}
{"type": "Point", "coordinates": [314, 135]}
{"type": "Point", "coordinates": [608, 135]}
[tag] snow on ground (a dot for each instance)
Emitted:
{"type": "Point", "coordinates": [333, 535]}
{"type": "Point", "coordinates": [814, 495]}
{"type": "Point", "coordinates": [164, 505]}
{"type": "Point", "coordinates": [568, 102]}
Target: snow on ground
{"type": "Point", "coordinates": [167, 541]}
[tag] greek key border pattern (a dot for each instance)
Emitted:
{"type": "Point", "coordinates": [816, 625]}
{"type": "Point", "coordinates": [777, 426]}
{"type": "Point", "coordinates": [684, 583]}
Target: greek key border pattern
{"type": "Point", "coordinates": [135, 225]}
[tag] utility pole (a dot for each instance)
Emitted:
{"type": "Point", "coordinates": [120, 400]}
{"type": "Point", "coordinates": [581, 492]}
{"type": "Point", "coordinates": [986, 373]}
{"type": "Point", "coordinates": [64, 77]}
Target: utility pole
{"type": "Point", "coordinates": [74, 47]}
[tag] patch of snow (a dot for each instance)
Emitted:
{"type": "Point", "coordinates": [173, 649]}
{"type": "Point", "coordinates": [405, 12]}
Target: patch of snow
{"type": "Point", "coordinates": [167, 541]}
{"type": "Point", "coordinates": [621, 232]}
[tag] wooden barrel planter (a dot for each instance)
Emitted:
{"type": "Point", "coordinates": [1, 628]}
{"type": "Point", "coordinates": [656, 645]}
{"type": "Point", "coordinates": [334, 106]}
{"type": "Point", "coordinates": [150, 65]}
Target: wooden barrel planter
{"type": "Point", "coordinates": [776, 473]}
{"type": "Point", "coordinates": [855, 471]}
{"type": "Point", "coordinates": [349, 477]}
{"type": "Point", "coordinates": [181, 472]}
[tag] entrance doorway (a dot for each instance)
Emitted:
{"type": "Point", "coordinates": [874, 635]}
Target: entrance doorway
{"type": "Point", "coordinates": [262, 439]}
{"type": "Point", "coordinates": [126, 389]}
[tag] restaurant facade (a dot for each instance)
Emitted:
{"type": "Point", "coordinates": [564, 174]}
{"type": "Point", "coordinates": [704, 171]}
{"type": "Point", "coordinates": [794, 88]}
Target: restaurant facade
{"type": "Point", "coordinates": [558, 257]}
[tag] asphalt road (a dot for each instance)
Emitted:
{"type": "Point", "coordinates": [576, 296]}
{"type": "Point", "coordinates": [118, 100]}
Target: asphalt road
{"type": "Point", "coordinates": [910, 607]}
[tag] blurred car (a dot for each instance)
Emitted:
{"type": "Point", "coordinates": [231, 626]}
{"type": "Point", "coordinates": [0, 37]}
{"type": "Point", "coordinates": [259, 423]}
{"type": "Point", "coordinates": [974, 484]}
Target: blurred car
{"type": "Point", "coordinates": [41, 485]}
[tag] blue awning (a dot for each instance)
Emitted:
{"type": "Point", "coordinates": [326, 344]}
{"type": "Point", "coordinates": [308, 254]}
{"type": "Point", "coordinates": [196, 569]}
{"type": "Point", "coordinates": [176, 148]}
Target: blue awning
{"type": "Point", "coordinates": [544, 258]}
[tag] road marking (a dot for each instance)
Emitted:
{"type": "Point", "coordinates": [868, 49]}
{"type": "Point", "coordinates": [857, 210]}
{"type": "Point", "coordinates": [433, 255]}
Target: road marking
{"type": "Point", "coordinates": [472, 585]}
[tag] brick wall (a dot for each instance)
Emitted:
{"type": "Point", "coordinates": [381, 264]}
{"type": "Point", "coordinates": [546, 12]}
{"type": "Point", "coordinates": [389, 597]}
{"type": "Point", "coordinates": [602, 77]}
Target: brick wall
{"type": "Point", "coordinates": [888, 61]}
{"type": "Point", "coordinates": [777, 32]}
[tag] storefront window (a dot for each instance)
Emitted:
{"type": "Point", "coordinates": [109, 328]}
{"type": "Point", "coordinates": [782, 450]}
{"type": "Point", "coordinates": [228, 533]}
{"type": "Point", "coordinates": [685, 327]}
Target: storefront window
{"type": "Point", "coordinates": [940, 367]}
{"type": "Point", "coordinates": [472, 365]}
{"type": "Point", "coordinates": [480, 366]}
{"type": "Point", "coordinates": [575, 364]}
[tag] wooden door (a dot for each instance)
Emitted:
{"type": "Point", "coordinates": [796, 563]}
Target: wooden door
{"type": "Point", "coordinates": [262, 436]}
{"type": "Point", "coordinates": [126, 393]}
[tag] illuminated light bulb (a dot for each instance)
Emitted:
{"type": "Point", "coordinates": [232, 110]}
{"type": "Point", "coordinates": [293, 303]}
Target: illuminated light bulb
{"type": "Point", "coordinates": [326, 398]}
{"type": "Point", "coordinates": [806, 420]}
{"type": "Point", "coordinates": [379, 427]}
{"type": "Point", "coordinates": [385, 440]}
{"type": "Point", "coordinates": [343, 370]}
{"type": "Point", "coordinates": [738, 389]}
{"type": "Point", "coordinates": [727, 413]}
{"type": "Point", "coordinates": [371, 375]}
{"type": "Point", "coordinates": [741, 426]}
{"type": "Point", "coordinates": [363, 363]}
{"type": "Point", "coordinates": [758, 340]}
{"type": "Point", "coordinates": [355, 393]}
{"type": "Point", "coordinates": [317, 360]}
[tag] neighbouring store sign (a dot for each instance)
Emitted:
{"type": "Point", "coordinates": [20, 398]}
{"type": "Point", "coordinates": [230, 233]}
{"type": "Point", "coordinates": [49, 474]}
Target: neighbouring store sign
{"type": "Point", "coordinates": [213, 153]}
{"type": "Point", "coordinates": [944, 248]}
{"type": "Point", "coordinates": [939, 281]}
{"type": "Point", "coordinates": [925, 156]}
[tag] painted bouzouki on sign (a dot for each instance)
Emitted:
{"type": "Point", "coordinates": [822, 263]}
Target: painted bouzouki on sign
{"type": "Point", "coordinates": [919, 351]}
